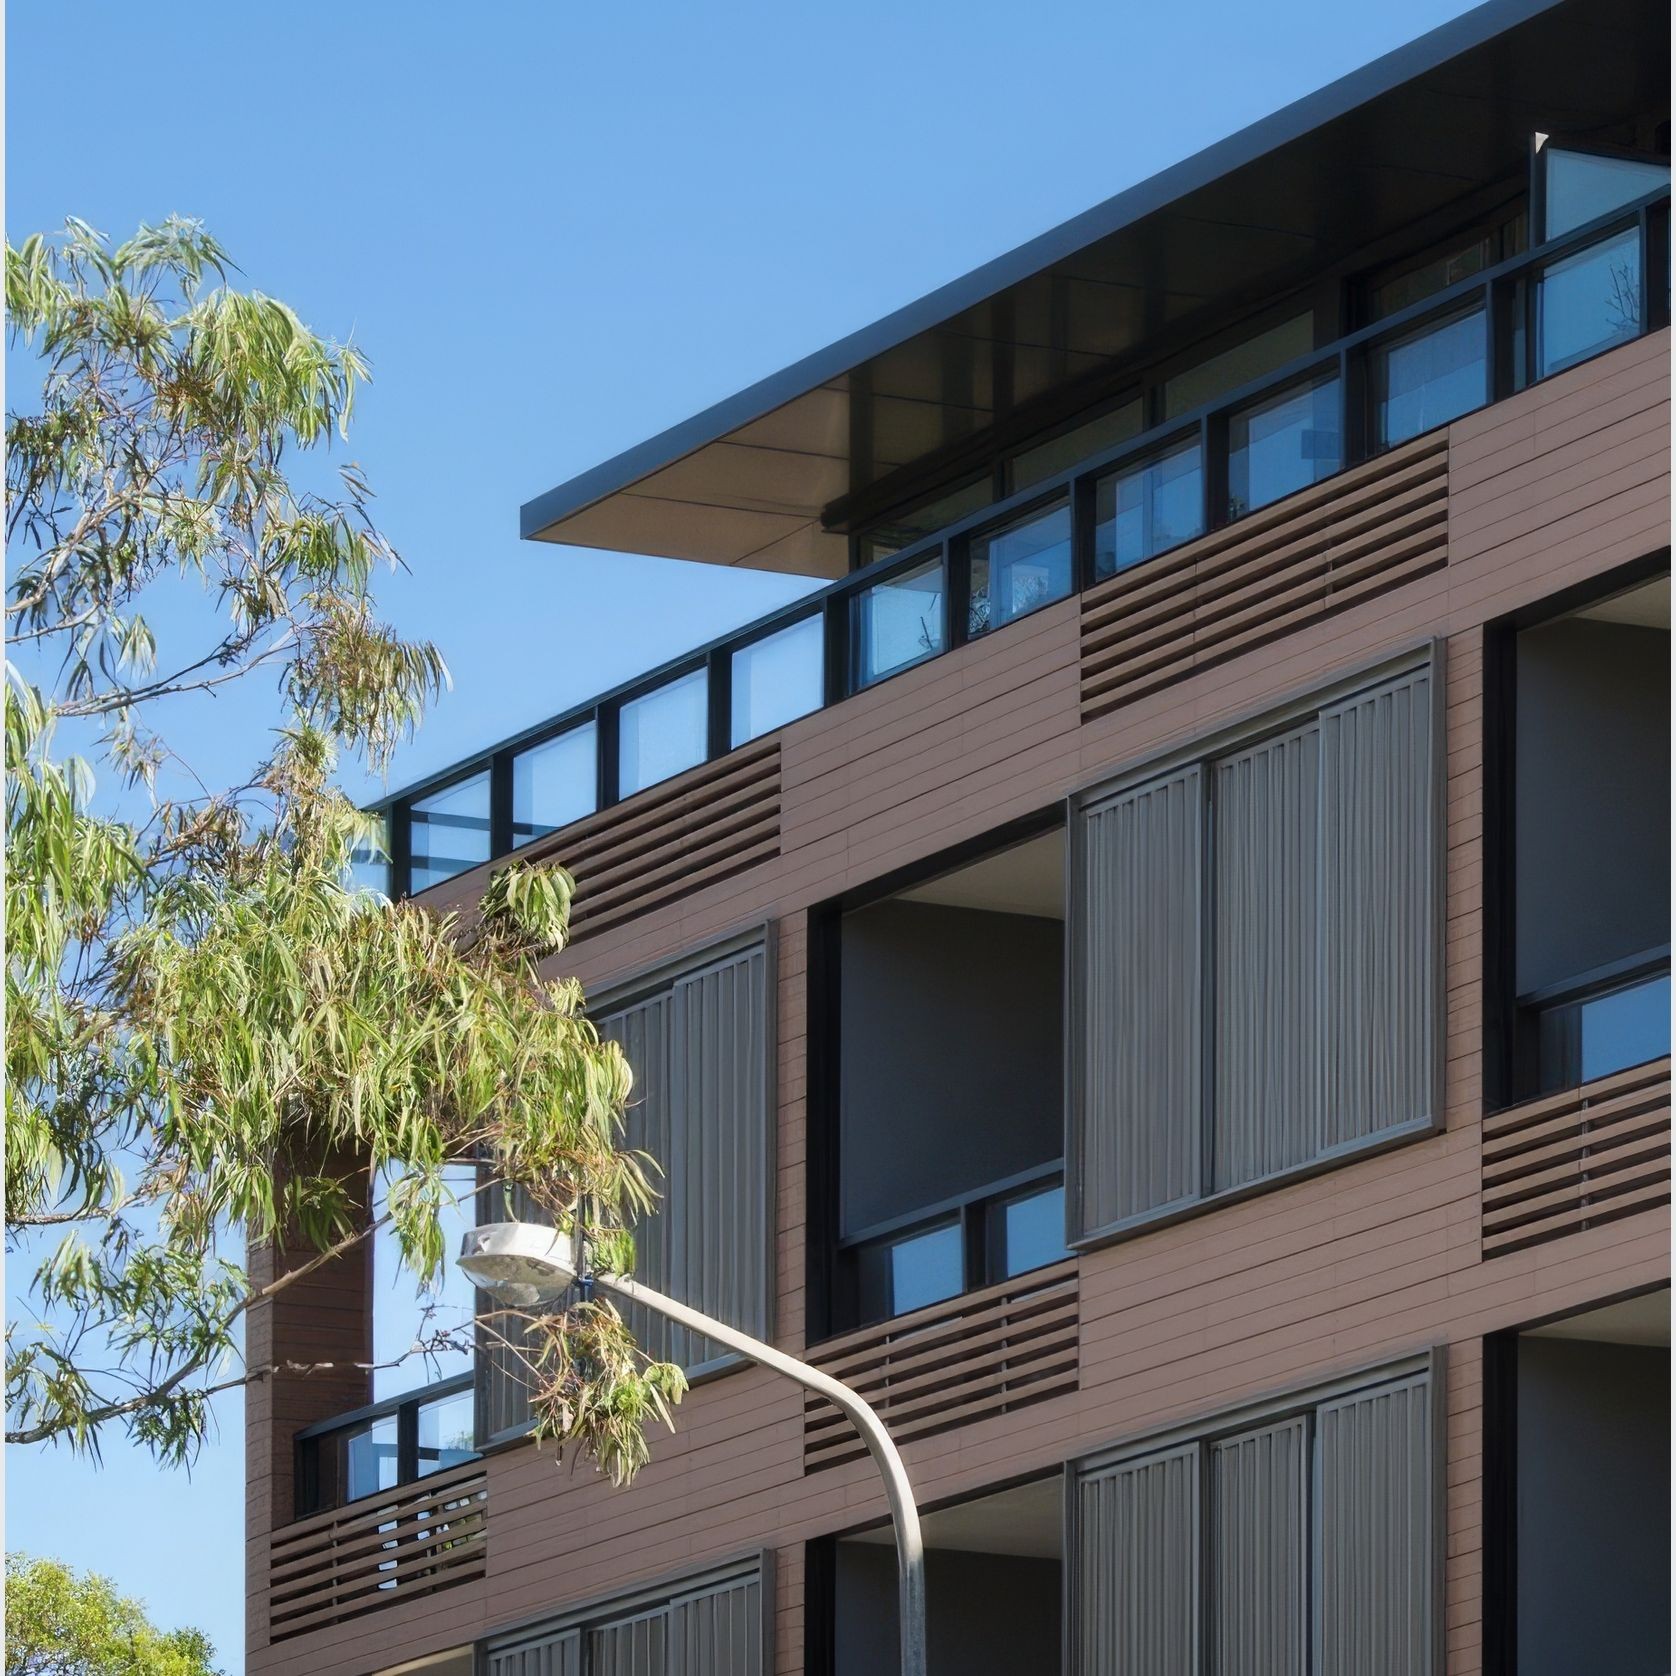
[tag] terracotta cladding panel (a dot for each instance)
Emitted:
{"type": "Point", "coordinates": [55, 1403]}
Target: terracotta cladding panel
{"type": "Point", "coordinates": [1373, 1259]}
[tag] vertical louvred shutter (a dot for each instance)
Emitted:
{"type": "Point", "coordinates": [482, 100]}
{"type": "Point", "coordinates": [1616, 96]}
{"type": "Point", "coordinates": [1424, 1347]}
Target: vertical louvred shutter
{"type": "Point", "coordinates": [1138, 995]}
{"type": "Point", "coordinates": [1266, 933]}
{"type": "Point", "coordinates": [642, 1032]}
{"type": "Point", "coordinates": [1374, 1463]}
{"type": "Point", "coordinates": [552, 1655]}
{"type": "Point", "coordinates": [631, 1646]}
{"type": "Point", "coordinates": [718, 1188]}
{"type": "Point", "coordinates": [1377, 901]}
{"type": "Point", "coordinates": [502, 1363]}
{"type": "Point", "coordinates": [1259, 1552]}
{"type": "Point", "coordinates": [1137, 1566]}
{"type": "Point", "coordinates": [718, 1631]}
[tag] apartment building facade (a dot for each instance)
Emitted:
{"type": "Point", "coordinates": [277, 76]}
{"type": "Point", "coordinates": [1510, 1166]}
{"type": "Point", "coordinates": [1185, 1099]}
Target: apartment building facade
{"type": "Point", "coordinates": [1157, 974]}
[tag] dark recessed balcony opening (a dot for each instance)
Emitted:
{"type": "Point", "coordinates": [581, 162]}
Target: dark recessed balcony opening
{"type": "Point", "coordinates": [1588, 856]}
{"type": "Point", "coordinates": [992, 1589]}
{"type": "Point", "coordinates": [1578, 1452]}
{"type": "Point", "coordinates": [944, 1135]}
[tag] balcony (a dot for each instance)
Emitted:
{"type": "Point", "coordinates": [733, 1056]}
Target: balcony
{"type": "Point", "coordinates": [1344, 433]}
{"type": "Point", "coordinates": [1577, 1457]}
{"type": "Point", "coordinates": [940, 1137]}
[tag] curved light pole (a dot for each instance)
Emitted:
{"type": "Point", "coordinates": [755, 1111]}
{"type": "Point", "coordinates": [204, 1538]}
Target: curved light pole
{"type": "Point", "coordinates": [524, 1264]}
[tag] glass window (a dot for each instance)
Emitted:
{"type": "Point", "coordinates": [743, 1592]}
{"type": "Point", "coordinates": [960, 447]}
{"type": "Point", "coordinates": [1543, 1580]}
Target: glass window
{"type": "Point", "coordinates": [404, 1315]}
{"type": "Point", "coordinates": [554, 783]}
{"type": "Point", "coordinates": [1018, 567]}
{"type": "Point", "coordinates": [1431, 376]}
{"type": "Point", "coordinates": [1059, 454]}
{"type": "Point", "coordinates": [370, 1459]}
{"type": "Point", "coordinates": [1581, 186]}
{"type": "Point", "coordinates": [1143, 509]}
{"type": "Point", "coordinates": [908, 1273]}
{"type": "Point", "coordinates": [777, 679]}
{"type": "Point", "coordinates": [1027, 1232]}
{"type": "Point", "coordinates": [446, 1432]}
{"type": "Point", "coordinates": [662, 732]}
{"type": "Point", "coordinates": [1283, 443]}
{"type": "Point", "coordinates": [1606, 1032]}
{"type": "Point", "coordinates": [903, 529]}
{"type": "Point", "coordinates": [369, 863]}
{"type": "Point", "coordinates": [1228, 370]}
{"type": "Point", "coordinates": [1588, 302]}
{"type": "Point", "coordinates": [1456, 259]}
{"type": "Point", "coordinates": [899, 622]}
{"type": "Point", "coordinates": [449, 831]}
{"type": "Point", "coordinates": [1626, 1027]}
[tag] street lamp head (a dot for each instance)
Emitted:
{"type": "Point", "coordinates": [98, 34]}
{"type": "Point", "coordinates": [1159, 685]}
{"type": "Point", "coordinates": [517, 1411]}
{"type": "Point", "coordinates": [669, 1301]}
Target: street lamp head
{"type": "Point", "coordinates": [520, 1264]}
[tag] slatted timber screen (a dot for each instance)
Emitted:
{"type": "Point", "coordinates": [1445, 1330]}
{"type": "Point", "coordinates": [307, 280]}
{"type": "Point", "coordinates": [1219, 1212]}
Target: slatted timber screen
{"type": "Point", "coordinates": [952, 1363]}
{"type": "Point", "coordinates": [1314, 554]}
{"type": "Point", "coordinates": [376, 1551]}
{"type": "Point", "coordinates": [1571, 1161]}
{"type": "Point", "coordinates": [668, 841]}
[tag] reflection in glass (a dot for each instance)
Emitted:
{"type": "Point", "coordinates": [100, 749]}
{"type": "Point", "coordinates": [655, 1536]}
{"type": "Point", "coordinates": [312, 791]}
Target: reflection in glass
{"type": "Point", "coordinates": [1627, 1027]}
{"type": "Point", "coordinates": [1144, 509]}
{"type": "Point", "coordinates": [1589, 302]}
{"type": "Point", "coordinates": [1581, 186]}
{"type": "Point", "coordinates": [1431, 376]}
{"type": "Point", "coordinates": [903, 529]}
{"type": "Point", "coordinates": [1282, 444]}
{"type": "Point", "coordinates": [554, 783]}
{"type": "Point", "coordinates": [662, 732]}
{"type": "Point", "coordinates": [911, 1271]}
{"type": "Point", "coordinates": [369, 864]}
{"type": "Point", "coordinates": [446, 1432]}
{"type": "Point", "coordinates": [404, 1314]}
{"type": "Point", "coordinates": [1059, 454]}
{"type": "Point", "coordinates": [370, 1462]}
{"type": "Point", "coordinates": [1027, 1232]}
{"type": "Point", "coordinates": [1608, 1031]}
{"type": "Point", "coordinates": [449, 832]}
{"type": "Point", "coordinates": [777, 679]}
{"type": "Point", "coordinates": [899, 622]}
{"type": "Point", "coordinates": [1221, 373]}
{"type": "Point", "coordinates": [1018, 567]}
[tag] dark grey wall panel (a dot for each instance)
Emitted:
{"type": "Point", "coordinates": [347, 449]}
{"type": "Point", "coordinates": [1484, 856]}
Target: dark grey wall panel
{"type": "Point", "coordinates": [952, 1054]}
{"type": "Point", "coordinates": [717, 1631]}
{"type": "Point", "coordinates": [718, 1188]}
{"type": "Point", "coordinates": [1376, 1539]}
{"type": "Point", "coordinates": [643, 1033]}
{"type": "Point", "coordinates": [1592, 798]}
{"type": "Point", "coordinates": [1378, 861]}
{"type": "Point", "coordinates": [559, 1654]}
{"type": "Point", "coordinates": [986, 1614]}
{"type": "Point", "coordinates": [1138, 990]}
{"type": "Point", "coordinates": [1136, 1545]}
{"type": "Point", "coordinates": [1266, 933]}
{"type": "Point", "coordinates": [1259, 1555]}
{"type": "Point", "coordinates": [1593, 1547]}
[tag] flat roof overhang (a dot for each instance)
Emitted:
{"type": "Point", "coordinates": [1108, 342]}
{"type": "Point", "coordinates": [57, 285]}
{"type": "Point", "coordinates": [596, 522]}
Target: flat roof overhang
{"type": "Point", "coordinates": [773, 477]}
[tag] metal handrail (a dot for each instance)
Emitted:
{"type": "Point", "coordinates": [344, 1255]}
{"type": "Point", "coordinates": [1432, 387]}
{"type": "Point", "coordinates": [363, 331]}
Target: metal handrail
{"type": "Point", "coordinates": [1492, 288]}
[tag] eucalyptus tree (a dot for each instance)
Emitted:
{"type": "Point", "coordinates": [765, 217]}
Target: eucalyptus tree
{"type": "Point", "coordinates": [214, 1042]}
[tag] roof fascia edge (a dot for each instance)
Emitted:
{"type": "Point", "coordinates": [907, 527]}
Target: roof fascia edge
{"type": "Point", "coordinates": [1314, 110]}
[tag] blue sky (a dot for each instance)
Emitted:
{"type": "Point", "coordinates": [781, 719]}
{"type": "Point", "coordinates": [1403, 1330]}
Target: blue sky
{"type": "Point", "coordinates": [557, 229]}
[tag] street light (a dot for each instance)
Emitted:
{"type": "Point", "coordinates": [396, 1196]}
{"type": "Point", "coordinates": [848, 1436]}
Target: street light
{"type": "Point", "coordinates": [524, 1265]}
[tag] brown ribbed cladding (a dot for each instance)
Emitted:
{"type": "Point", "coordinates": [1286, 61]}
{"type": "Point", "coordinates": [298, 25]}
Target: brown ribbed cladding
{"type": "Point", "coordinates": [1316, 554]}
{"type": "Point", "coordinates": [1576, 1160]}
